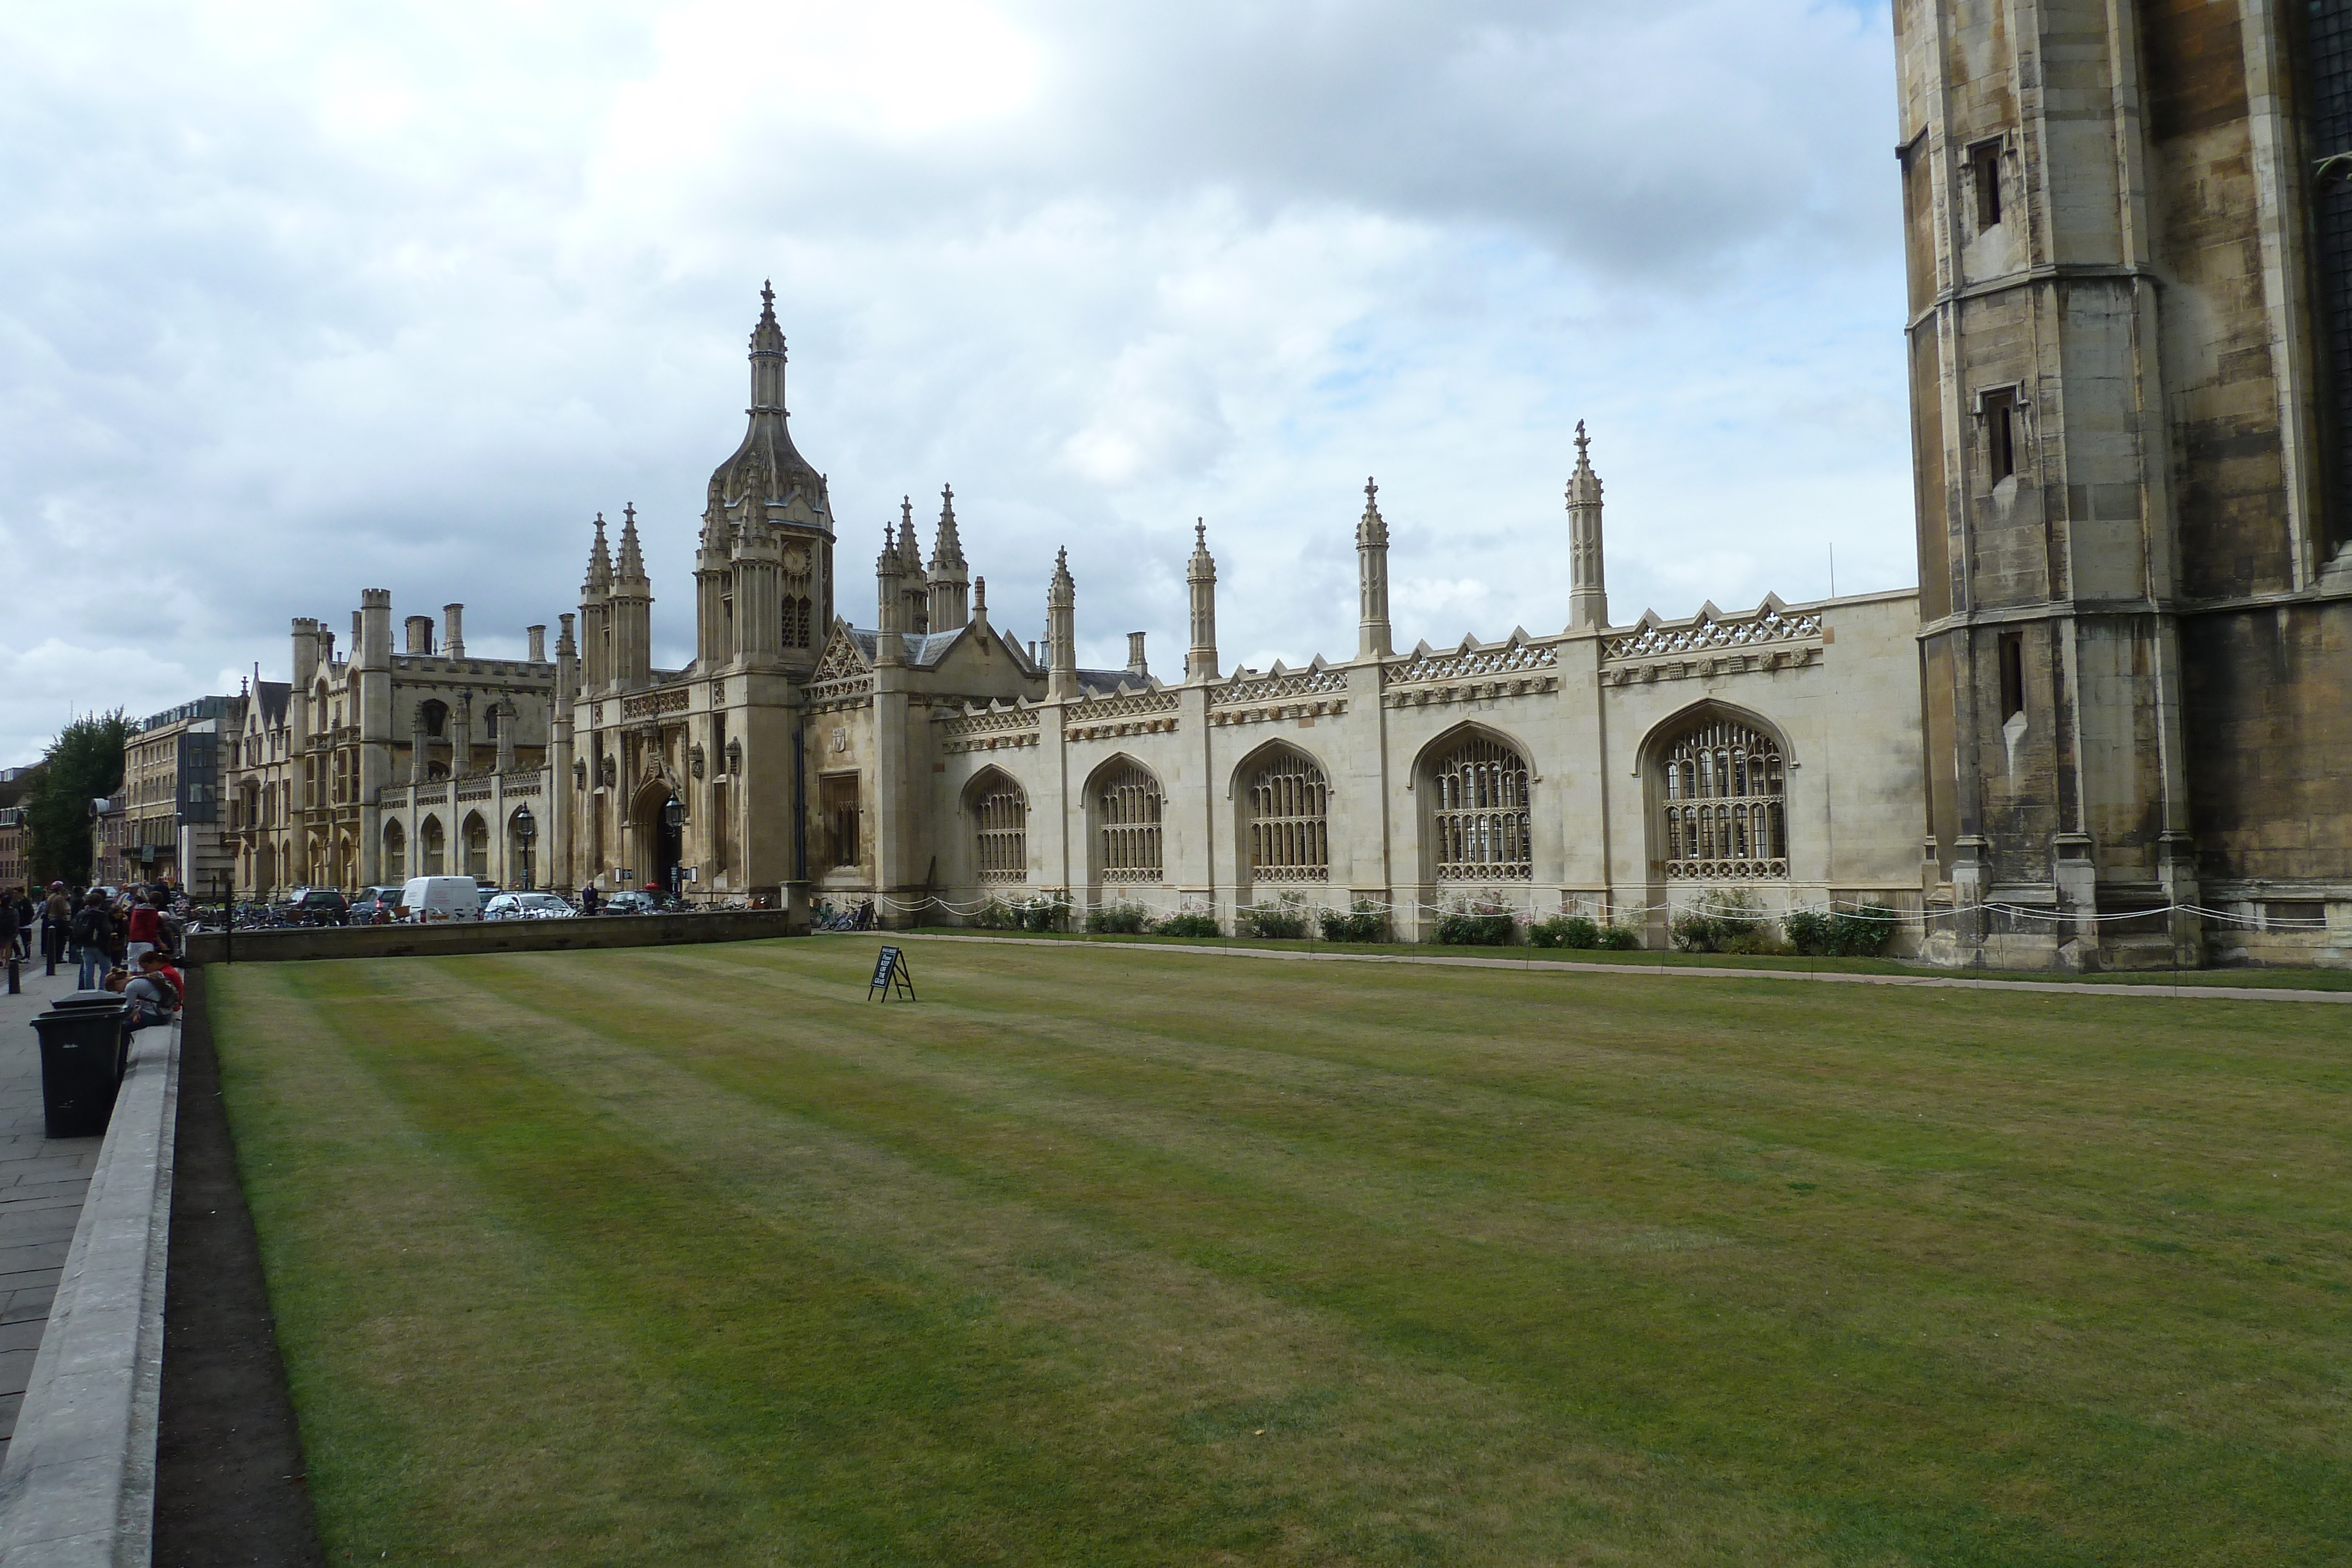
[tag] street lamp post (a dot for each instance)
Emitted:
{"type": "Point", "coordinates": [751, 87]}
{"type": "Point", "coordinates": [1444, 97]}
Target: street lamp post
{"type": "Point", "coordinates": [526, 829]}
{"type": "Point", "coordinates": [674, 818]}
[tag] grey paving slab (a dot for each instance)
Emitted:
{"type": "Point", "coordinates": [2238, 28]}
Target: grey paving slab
{"type": "Point", "coordinates": [29, 1306]}
{"type": "Point", "coordinates": [43, 1183]}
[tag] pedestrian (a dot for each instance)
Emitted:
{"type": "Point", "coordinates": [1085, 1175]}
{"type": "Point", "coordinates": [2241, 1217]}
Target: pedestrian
{"type": "Point", "coordinates": [587, 898]}
{"type": "Point", "coordinates": [93, 937]}
{"type": "Point", "coordinates": [144, 933]}
{"type": "Point", "coordinates": [10, 953]}
{"type": "Point", "coordinates": [56, 924]}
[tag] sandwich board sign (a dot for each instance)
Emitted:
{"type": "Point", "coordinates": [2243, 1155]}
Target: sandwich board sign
{"type": "Point", "coordinates": [890, 974]}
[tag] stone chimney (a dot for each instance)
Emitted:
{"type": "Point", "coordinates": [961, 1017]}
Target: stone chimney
{"type": "Point", "coordinates": [453, 631]}
{"type": "Point", "coordinates": [420, 635]}
{"type": "Point", "coordinates": [1135, 665]}
{"type": "Point", "coordinates": [538, 635]}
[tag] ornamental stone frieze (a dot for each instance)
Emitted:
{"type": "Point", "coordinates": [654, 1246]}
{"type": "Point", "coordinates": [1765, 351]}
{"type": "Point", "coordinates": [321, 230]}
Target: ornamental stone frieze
{"type": "Point", "coordinates": [652, 703]}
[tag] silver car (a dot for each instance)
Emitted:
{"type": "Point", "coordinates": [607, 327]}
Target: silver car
{"type": "Point", "coordinates": [527, 906]}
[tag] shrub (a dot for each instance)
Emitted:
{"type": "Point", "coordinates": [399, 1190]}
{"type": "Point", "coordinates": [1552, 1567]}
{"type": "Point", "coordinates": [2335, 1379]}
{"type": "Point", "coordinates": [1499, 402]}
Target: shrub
{"type": "Point", "coordinates": [1286, 921]}
{"type": "Point", "coordinates": [997, 915]}
{"type": "Point", "coordinates": [1865, 933]}
{"type": "Point", "coordinates": [1621, 938]}
{"type": "Point", "coordinates": [1190, 925]}
{"type": "Point", "coordinates": [1809, 931]}
{"type": "Point", "coordinates": [1716, 919]}
{"type": "Point", "coordinates": [1119, 920]}
{"type": "Point", "coordinates": [1027, 914]}
{"type": "Point", "coordinates": [1565, 931]}
{"type": "Point", "coordinates": [1824, 933]}
{"type": "Point", "coordinates": [1365, 922]}
{"type": "Point", "coordinates": [1478, 924]}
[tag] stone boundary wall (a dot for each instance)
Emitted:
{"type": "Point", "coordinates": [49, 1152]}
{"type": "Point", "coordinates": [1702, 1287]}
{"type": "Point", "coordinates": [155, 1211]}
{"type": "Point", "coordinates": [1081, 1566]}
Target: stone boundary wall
{"type": "Point", "coordinates": [585, 931]}
{"type": "Point", "coordinates": [79, 1488]}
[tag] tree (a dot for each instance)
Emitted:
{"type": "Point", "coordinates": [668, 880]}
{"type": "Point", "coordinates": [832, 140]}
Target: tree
{"type": "Point", "coordinates": [84, 763]}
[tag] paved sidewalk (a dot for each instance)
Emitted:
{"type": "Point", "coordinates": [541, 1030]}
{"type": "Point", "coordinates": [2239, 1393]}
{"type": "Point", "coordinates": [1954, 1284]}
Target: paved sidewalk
{"type": "Point", "coordinates": [42, 1181]}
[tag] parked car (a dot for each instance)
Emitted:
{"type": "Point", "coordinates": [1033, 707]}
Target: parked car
{"type": "Point", "coordinates": [527, 906]}
{"type": "Point", "coordinates": [628, 901]}
{"type": "Point", "coordinates": [314, 906]}
{"type": "Point", "coordinates": [430, 900]}
{"type": "Point", "coordinates": [374, 906]}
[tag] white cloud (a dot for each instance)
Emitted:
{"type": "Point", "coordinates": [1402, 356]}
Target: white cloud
{"type": "Point", "coordinates": [294, 301]}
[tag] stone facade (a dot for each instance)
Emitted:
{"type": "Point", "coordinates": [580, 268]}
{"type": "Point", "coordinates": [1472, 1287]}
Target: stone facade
{"type": "Point", "coordinates": [1619, 768]}
{"type": "Point", "coordinates": [370, 768]}
{"type": "Point", "coordinates": [2130, 352]}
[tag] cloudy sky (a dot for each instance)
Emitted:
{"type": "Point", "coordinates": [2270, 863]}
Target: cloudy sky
{"type": "Point", "coordinates": [298, 299]}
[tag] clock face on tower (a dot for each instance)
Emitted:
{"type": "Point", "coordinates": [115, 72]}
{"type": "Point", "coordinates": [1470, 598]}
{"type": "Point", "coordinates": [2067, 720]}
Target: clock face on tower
{"type": "Point", "coordinates": [796, 558]}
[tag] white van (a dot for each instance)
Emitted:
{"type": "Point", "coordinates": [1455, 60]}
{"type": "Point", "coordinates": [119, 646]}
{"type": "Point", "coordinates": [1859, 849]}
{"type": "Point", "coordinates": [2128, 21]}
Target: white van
{"type": "Point", "coordinates": [427, 900]}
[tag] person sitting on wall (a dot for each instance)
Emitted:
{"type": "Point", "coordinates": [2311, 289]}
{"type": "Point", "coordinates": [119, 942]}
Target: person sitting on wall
{"type": "Point", "coordinates": [153, 999]}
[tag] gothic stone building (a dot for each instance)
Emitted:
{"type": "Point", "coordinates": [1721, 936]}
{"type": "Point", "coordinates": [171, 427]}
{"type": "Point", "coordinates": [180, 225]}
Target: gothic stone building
{"type": "Point", "coordinates": [373, 766]}
{"type": "Point", "coordinates": [1617, 767]}
{"type": "Point", "coordinates": [2129, 233]}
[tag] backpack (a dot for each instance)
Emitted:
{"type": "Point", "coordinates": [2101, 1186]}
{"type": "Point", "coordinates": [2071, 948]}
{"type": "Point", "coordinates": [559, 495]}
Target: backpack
{"type": "Point", "coordinates": [89, 926]}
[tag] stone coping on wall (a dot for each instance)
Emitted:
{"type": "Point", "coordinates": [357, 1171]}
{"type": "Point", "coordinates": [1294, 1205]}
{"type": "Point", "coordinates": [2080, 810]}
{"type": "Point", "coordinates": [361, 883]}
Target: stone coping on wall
{"type": "Point", "coordinates": [79, 1488]}
{"type": "Point", "coordinates": [586, 931]}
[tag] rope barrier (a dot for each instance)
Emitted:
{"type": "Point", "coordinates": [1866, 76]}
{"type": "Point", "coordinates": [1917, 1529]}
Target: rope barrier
{"type": "Point", "coordinates": [1605, 913]}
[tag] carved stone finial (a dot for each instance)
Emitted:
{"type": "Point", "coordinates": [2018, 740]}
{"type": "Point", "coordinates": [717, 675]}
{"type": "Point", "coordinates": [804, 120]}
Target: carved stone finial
{"type": "Point", "coordinates": [1583, 442]}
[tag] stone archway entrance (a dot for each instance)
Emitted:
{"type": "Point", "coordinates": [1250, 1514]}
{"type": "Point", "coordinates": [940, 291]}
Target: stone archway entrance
{"type": "Point", "coordinates": [654, 842]}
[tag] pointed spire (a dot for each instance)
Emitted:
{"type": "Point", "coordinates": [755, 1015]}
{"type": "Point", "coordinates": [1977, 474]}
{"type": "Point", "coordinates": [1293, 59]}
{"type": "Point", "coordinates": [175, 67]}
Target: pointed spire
{"type": "Point", "coordinates": [631, 569]}
{"type": "Point", "coordinates": [1588, 592]}
{"type": "Point", "coordinates": [1061, 631]}
{"type": "Point", "coordinates": [600, 563]}
{"type": "Point", "coordinates": [768, 357]}
{"type": "Point", "coordinates": [947, 548]}
{"type": "Point", "coordinates": [1373, 640]}
{"type": "Point", "coordinates": [1201, 582]}
{"type": "Point", "coordinates": [910, 552]}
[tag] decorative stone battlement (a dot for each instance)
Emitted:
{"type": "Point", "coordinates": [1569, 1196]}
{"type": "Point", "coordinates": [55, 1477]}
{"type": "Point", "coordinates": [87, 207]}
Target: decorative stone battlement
{"type": "Point", "coordinates": [988, 729]}
{"type": "Point", "coordinates": [1771, 622]}
{"type": "Point", "coordinates": [1513, 656]}
{"type": "Point", "coordinates": [1130, 712]}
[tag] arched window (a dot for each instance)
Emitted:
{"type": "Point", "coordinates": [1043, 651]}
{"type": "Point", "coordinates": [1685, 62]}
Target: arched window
{"type": "Point", "coordinates": [432, 851]}
{"type": "Point", "coordinates": [433, 716]}
{"type": "Point", "coordinates": [1127, 824]}
{"type": "Point", "coordinates": [1479, 813]}
{"type": "Point", "coordinates": [1289, 806]}
{"type": "Point", "coordinates": [396, 852]}
{"type": "Point", "coordinates": [1725, 813]}
{"type": "Point", "coordinates": [478, 848]}
{"type": "Point", "coordinates": [1001, 818]}
{"type": "Point", "coordinates": [798, 613]}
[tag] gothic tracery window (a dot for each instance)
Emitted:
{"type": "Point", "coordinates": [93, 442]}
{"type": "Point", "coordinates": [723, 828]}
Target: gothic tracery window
{"type": "Point", "coordinates": [1128, 810]}
{"type": "Point", "coordinates": [1725, 813]}
{"type": "Point", "coordinates": [1002, 818]}
{"type": "Point", "coordinates": [1289, 831]}
{"type": "Point", "coordinates": [1479, 813]}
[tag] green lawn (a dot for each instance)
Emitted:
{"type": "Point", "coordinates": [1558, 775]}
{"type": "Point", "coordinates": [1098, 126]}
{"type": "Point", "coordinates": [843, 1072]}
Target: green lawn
{"type": "Point", "coordinates": [1091, 1258]}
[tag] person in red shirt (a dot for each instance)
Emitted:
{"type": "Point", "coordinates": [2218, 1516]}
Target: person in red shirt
{"type": "Point", "coordinates": [144, 934]}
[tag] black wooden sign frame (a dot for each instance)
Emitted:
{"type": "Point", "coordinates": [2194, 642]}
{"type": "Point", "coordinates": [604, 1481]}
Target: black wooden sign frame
{"type": "Point", "coordinates": [890, 974]}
